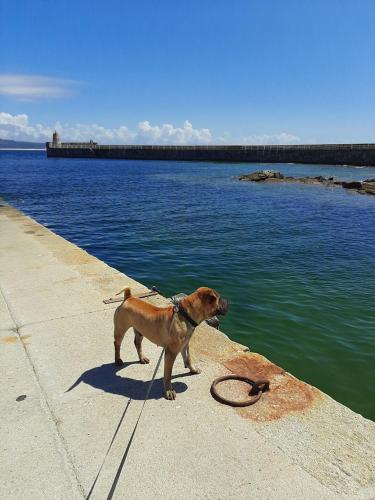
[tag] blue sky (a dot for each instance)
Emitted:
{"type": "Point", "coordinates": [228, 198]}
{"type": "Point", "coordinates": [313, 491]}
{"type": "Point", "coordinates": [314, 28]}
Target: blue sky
{"type": "Point", "coordinates": [231, 71]}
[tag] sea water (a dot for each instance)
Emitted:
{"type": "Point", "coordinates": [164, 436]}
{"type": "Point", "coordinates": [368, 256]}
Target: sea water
{"type": "Point", "coordinates": [297, 262]}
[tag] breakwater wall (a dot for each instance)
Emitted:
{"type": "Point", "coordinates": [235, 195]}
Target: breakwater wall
{"type": "Point", "coordinates": [329, 154]}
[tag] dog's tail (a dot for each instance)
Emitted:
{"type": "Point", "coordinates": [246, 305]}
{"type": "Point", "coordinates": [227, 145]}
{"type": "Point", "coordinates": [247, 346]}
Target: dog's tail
{"type": "Point", "coordinates": [127, 292]}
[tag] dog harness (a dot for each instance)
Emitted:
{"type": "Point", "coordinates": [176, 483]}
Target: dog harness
{"type": "Point", "coordinates": [178, 309]}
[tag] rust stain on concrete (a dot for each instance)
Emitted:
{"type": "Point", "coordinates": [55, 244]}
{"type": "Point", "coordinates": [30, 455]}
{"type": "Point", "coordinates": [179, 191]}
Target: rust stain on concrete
{"type": "Point", "coordinates": [287, 394]}
{"type": "Point", "coordinates": [10, 339]}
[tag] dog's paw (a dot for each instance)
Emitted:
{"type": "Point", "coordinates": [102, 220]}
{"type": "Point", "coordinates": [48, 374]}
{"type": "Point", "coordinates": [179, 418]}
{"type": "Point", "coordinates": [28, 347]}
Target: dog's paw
{"type": "Point", "coordinates": [119, 362]}
{"type": "Point", "coordinates": [144, 360]}
{"type": "Point", "coordinates": [170, 394]}
{"type": "Point", "coordinates": [195, 371]}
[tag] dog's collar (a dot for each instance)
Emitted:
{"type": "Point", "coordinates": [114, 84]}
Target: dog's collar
{"type": "Point", "coordinates": [180, 310]}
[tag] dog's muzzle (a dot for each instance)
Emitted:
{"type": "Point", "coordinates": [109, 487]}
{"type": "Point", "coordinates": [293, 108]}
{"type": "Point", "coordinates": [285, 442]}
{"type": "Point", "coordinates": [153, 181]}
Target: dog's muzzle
{"type": "Point", "coordinates": [222, 307]}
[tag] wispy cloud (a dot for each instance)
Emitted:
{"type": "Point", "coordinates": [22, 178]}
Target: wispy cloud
{"type": "Point", "coordinates": [19, 127]}
{"type": "Point", "coordinates": [34, 87]}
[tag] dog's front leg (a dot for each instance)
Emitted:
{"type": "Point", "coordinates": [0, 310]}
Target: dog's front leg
{"type": "Point", "coordinates": [187, 360]}
{"type": "Point", "coordinates": [169, 359]}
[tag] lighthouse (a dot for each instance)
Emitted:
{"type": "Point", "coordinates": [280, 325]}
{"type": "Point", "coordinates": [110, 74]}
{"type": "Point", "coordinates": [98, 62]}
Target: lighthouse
{"type": "Point", "coordinates": [56, 139]}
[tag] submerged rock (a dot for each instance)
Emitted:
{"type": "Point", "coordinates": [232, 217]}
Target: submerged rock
{"type": "Point", "coordinates": [352, 184]}
{"type": "Point", "coordinates": [274, 176]}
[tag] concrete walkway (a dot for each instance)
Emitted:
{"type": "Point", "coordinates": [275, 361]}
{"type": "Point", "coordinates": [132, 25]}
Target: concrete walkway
{"type": "Point", "coordinates": [56, 348]}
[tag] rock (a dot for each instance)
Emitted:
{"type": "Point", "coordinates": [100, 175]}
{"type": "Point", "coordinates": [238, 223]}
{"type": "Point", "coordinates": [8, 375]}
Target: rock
{"type": "Point", "coordinates": [363, 187]}
{"type": "Point", "coordinates": [262, 175]}
{"type": "Point", "coordinates": [368, 186]}
{"type": "Point", "coordinates": [352, 184]}
{"type": "Point", "coordinates": [275, 175]}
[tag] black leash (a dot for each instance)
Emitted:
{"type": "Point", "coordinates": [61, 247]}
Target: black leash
{"type": "Point", "coordinates": [120, 467]}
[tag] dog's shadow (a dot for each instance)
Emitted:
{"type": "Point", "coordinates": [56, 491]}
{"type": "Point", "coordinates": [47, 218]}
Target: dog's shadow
{"type": "Point", "coordinates": [105, 378]}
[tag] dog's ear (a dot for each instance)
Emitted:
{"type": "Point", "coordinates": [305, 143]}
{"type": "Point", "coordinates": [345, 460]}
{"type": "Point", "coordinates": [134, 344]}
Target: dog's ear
{"type": "Point", "coordinates": [206, 295]}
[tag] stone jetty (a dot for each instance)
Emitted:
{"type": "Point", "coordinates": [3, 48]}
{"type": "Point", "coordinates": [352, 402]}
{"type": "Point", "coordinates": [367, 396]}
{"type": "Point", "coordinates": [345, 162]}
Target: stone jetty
{"type": "Point", "coordinates": [316, 154]}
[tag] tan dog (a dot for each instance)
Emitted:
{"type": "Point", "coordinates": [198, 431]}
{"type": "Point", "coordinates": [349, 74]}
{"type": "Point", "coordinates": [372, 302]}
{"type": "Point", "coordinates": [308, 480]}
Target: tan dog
{"type": "Point", "coordinates": [165, 327]}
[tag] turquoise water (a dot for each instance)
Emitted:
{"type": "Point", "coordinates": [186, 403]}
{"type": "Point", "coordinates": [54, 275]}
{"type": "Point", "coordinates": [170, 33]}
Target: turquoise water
{"type": "Point", "coordinates": [297, 262]}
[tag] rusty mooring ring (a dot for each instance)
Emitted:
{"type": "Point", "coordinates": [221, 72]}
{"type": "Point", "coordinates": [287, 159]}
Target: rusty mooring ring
{"type": "Point", "coordinates": [257, 389]}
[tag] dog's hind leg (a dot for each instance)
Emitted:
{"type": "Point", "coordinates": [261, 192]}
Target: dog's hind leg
{"type": "Point", "coordinates": [185, 352]}
{"type": "Point", "coordinates": [119, 335]}
{"type": "Point", "coordinates": [138, 337]}
{"type": "Point", "coordinates": [120, 328]}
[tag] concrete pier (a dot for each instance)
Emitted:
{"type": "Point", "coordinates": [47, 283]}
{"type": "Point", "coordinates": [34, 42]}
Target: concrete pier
{"type": "Point", "coordinates": [318, 154]}
{"type": "Point", "coordinates": [62, 398]}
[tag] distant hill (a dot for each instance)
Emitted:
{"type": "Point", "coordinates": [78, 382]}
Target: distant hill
{"type": "Point", "coordinates": [8, 144]}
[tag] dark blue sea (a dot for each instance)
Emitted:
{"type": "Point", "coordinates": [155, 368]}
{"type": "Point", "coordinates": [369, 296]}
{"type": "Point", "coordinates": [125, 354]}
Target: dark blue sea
{"type": "Point", "coordinates": [297, 262]}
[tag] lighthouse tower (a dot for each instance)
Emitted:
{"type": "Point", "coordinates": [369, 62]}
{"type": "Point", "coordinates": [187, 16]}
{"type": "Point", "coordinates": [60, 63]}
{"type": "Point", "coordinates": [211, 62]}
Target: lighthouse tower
{"type": "Point", "coordinates": [56, 139]}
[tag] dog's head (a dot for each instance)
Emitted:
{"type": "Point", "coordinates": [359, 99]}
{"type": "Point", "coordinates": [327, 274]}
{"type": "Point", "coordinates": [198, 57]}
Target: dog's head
{"type": "Point", "coordinates": [211, 302]}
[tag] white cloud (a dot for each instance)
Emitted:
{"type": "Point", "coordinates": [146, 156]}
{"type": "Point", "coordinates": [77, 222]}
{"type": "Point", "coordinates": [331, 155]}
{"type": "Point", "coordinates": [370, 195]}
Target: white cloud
{"type": "Point", "coordinates": [84, 132]}
{"type": "Point", "coordinates": [144, 134]}
{"type": "Point", "coordinates": [18, 127]}
{"type": "Point", "coordinates": [35, 87]}
{"type": "Point", "coordinates": [169, 134]}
